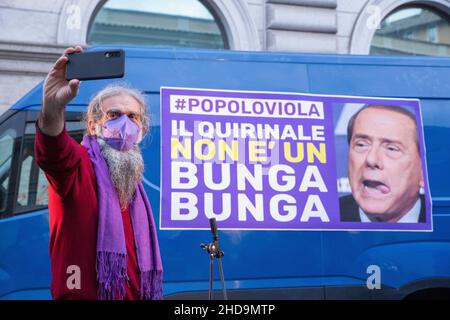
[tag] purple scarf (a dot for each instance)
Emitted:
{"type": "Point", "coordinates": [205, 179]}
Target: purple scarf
{"type": "Point", "coordinates": [111, 248]}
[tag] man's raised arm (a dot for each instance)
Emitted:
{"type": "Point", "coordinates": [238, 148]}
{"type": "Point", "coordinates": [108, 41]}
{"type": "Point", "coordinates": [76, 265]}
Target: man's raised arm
{"type": "Point", "coordinates": [57, 94]}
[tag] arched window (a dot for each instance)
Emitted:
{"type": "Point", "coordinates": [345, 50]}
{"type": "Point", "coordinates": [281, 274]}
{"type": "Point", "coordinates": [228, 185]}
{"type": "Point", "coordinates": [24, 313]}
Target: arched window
{"type": "Point", "coordinates": [161, 23]}
{"type": "Point", "coordinates": [413, 30]}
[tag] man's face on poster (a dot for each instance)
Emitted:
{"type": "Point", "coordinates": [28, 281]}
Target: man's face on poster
{"type": "Point", "coordinates": [384, 163]}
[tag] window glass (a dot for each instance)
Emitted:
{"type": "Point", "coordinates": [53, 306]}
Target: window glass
{"type": "Point", "coordinates": [413, 30]}
{"type": "Point", "coordinates": [42, 190]}
{"type": "Point", "coordinates": [11, 131]}
{"type": "Point", "coordinates": [33, 185]}
{"type": "Point", "coordinates": [174, 23]}
{"type": "Point", "coordinates": [6, 146]}
{"type": "Point", "coordinates": [22, 196]}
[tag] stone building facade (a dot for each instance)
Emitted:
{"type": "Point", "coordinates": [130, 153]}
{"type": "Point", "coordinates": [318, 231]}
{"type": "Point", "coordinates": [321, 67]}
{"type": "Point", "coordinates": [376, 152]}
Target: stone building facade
{"type": "Point", "coordinates": [34, 33]}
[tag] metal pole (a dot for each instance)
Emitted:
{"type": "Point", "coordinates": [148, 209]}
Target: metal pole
{"type": "Point", "coordinates": [211, 259]}
{"type": "Point", "coordinates": [222, 279]}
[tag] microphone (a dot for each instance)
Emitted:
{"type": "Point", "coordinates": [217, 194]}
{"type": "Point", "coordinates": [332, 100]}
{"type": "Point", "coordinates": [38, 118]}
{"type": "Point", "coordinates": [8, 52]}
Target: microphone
{"type": "Point", "coordinates": [214, 246]}
{"type": "Point", "coordinates": [213, 225]}
{"type": "Point", "coordinates": [214, 251]}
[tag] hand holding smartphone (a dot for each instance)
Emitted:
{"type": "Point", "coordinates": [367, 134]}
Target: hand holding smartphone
{"type": "Point", "coordinates": [105, 64]}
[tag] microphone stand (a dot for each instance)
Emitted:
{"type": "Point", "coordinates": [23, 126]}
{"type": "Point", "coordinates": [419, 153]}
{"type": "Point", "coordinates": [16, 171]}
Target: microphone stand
{"type": "Point", "coordinates": [214, 251]}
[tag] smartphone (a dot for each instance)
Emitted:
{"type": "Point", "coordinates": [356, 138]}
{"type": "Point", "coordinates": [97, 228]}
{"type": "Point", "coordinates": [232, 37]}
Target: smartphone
{"type": "Point", "coordinates": [106, 64]}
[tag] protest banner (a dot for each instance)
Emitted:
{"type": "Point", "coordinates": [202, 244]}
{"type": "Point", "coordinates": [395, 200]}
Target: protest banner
{"type": "Point", "coordinates": [290, 161]}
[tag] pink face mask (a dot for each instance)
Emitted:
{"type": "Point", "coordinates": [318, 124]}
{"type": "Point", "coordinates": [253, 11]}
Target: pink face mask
{"type": "Point", "coordinates": [121, 133]}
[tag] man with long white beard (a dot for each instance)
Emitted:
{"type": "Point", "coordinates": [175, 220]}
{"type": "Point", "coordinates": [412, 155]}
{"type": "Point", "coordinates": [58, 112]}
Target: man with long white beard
{"type": "Point", "coordinates": [103, 242]}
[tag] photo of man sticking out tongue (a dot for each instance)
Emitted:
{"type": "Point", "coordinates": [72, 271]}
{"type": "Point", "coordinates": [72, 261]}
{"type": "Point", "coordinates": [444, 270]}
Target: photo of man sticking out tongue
{"type": "Point", "coordinates": [384, 167]}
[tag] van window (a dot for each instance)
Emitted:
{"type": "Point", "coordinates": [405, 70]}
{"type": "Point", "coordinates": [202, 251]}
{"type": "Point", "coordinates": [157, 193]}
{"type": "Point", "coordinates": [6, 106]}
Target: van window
{"type": "Point", "coordinates": [11, 131]}
{"type": "Point", "coordinates": [6, 145]}
{"type": "Point", "coordinates": [32, 184]}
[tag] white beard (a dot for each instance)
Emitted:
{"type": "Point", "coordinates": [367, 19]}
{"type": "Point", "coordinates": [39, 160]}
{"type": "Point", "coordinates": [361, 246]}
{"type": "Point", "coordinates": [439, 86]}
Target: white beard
{"type": "Point", "coordinates": [126, 169]}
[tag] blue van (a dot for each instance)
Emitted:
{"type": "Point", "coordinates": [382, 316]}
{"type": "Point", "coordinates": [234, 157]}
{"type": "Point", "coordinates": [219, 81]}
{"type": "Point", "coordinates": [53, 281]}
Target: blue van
{"type": "Point", "coordinates": [257, 264]}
